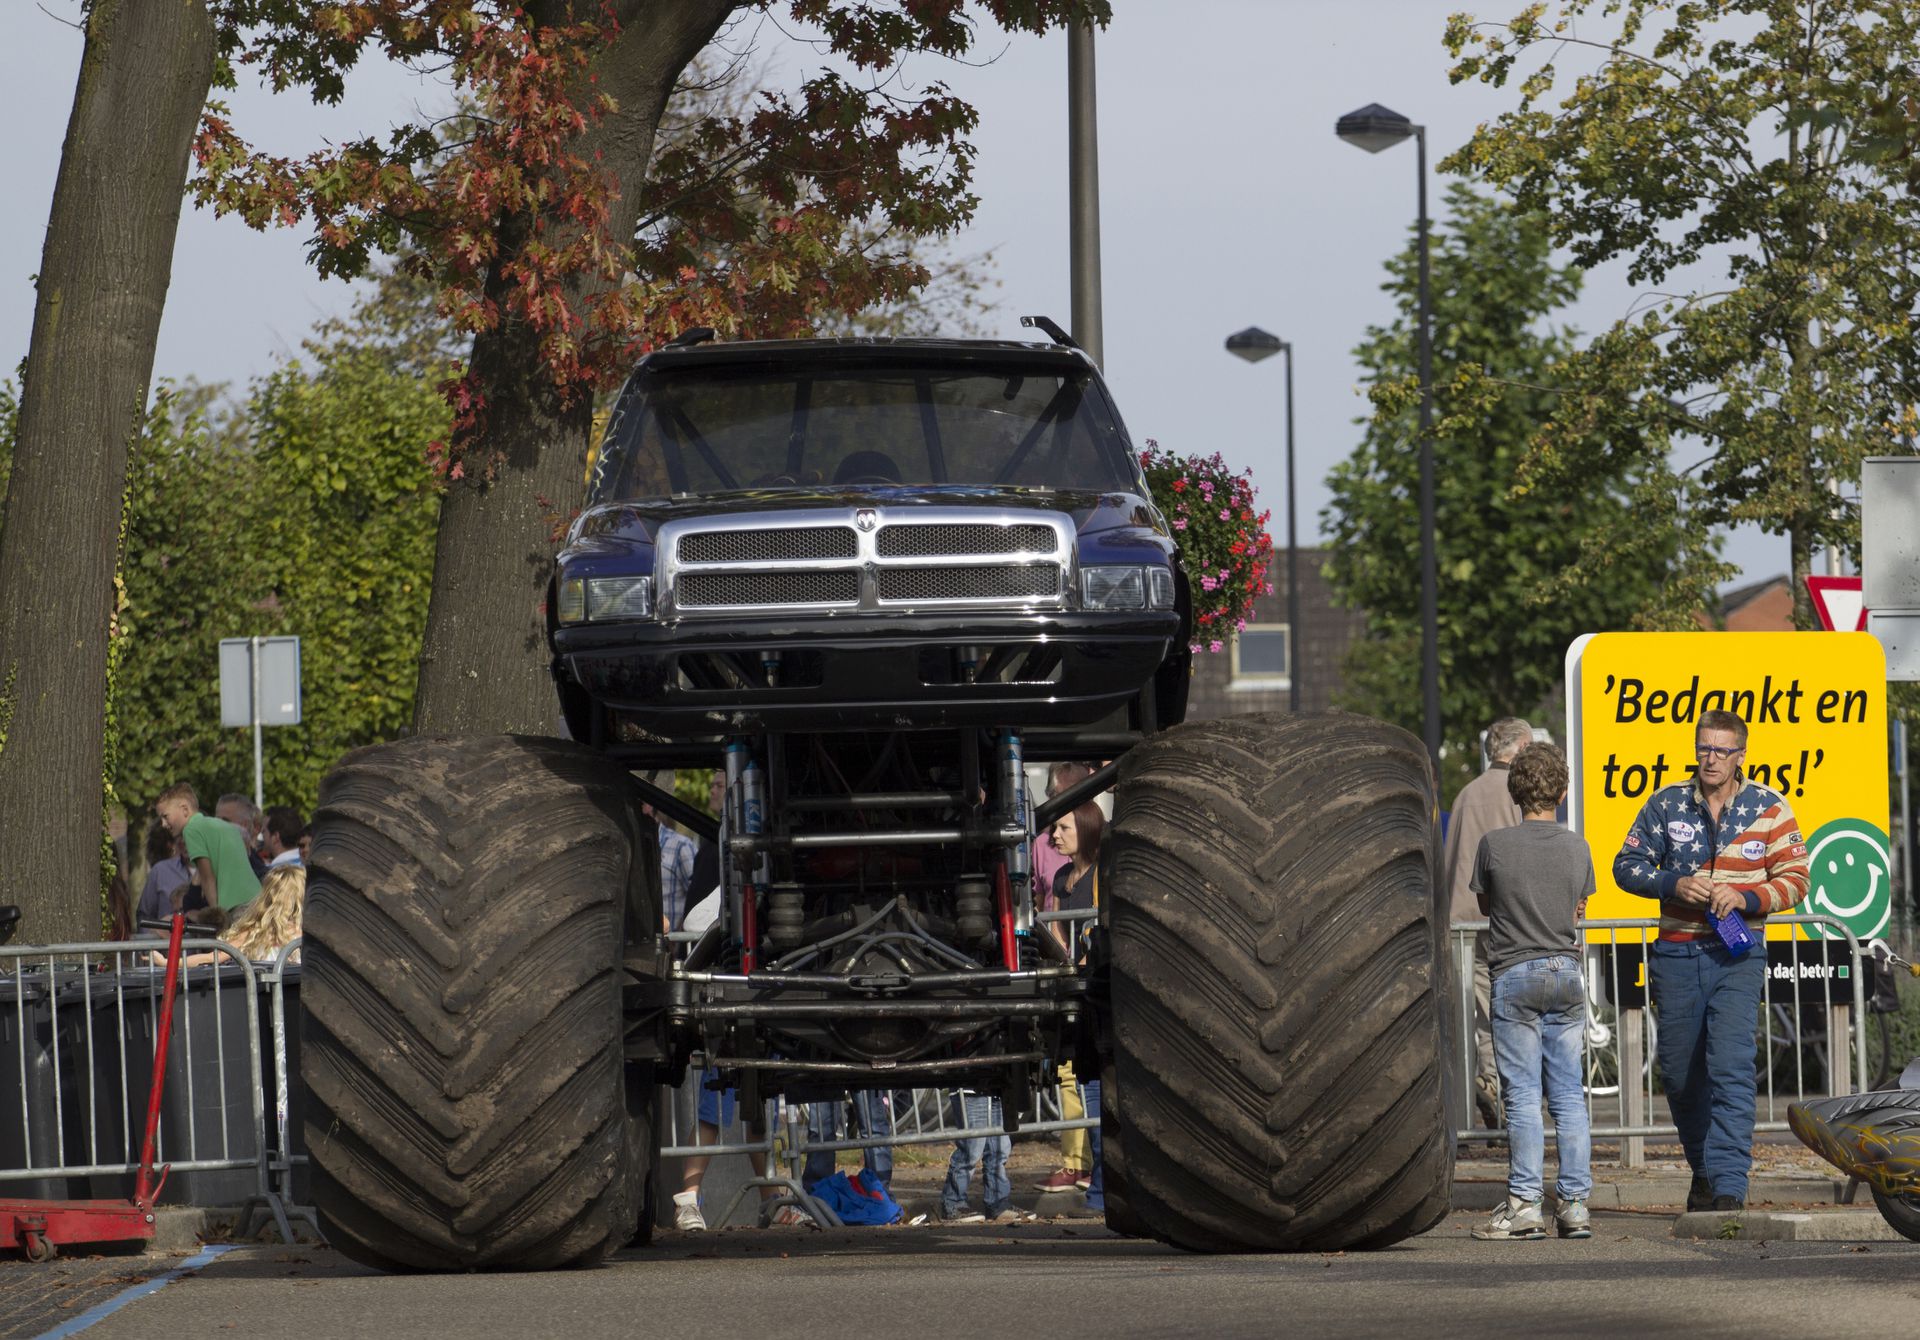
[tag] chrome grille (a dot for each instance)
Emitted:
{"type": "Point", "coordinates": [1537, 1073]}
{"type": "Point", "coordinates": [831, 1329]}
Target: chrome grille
{"type": "Point", "coordinates": [868, 558]}
{"type": "Point", "coordinates": [951, 540]}
{"type": "Point", "coordinates": [984, 583]}
{"type": "Point", "coordinates": [768, 546]}
{"type": "Point", "coordinates": [722, 590]}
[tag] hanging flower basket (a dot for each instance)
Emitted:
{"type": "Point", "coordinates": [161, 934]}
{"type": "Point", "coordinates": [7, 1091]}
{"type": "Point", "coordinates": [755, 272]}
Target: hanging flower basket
{"type": "Point", "coordinates": [1223, 541]}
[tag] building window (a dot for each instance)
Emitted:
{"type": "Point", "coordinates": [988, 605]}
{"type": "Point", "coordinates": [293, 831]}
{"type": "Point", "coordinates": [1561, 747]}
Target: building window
{"type": "Point", "coordinates": [1263, 658]}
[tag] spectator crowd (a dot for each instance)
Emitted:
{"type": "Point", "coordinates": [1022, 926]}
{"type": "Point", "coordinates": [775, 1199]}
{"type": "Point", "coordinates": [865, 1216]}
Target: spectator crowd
{"type": "Point", "coordinates": [238, 873]}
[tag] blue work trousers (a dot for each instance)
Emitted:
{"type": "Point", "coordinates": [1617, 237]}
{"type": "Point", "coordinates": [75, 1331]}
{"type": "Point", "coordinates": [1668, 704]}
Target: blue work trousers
{"type": "Point", "coordinates": [874, 1117]}
{"type": "Point", "coordinates": [1708, 1005]}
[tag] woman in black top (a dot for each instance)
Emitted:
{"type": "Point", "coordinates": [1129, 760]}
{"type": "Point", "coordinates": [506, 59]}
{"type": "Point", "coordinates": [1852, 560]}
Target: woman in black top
{"type": "Point", "coordinates": [1076, 885]}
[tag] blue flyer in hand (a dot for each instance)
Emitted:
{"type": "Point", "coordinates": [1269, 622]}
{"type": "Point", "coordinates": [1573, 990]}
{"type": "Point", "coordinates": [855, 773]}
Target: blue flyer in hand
{"type": "Point", "coordinates": [1733, 933]}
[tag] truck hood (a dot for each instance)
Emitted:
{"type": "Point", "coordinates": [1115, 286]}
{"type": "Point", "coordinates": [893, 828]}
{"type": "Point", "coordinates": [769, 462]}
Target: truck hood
{"type": "Point", "coordinates": [1090, 511]}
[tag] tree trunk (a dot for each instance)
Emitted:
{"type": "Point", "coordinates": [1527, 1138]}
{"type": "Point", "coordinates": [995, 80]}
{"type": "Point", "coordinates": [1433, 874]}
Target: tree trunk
{"type": "Point", "coordinates": [103, 282]}
{"type": "Point", "coordinates": [1800, 550]}
{"type": "Point", "coordinates": [484, 665]}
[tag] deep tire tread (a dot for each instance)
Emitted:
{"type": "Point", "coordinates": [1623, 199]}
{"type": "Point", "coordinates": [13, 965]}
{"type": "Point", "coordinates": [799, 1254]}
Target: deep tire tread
{"type": "Point", "coordinates": [1278, 987]}
{"type": "Point", "coordinates": [468, 1100]}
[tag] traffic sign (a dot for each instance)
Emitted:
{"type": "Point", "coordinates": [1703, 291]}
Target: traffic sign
{"type": "Point", "coordinates": [259, 686]}
{"type": "Point", "coordinates": [1839, 603]}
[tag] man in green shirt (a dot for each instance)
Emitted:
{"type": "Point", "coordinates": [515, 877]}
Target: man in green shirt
{"type": "Point", "coordinates": [216, 850]}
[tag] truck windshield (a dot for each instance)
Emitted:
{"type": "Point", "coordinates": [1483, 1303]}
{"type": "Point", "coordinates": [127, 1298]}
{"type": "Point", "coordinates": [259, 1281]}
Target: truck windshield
{"type": "Point", "coordinates": [713, 429]}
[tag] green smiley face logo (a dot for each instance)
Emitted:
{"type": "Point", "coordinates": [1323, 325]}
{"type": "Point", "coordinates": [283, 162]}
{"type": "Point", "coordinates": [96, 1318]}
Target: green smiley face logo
{"type": "Point", "coordinates": [1851, 878]}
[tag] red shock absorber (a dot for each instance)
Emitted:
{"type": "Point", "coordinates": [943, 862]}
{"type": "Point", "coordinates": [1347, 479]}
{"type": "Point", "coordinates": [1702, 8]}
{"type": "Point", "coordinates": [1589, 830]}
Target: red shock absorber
{"type": "Point", "coordinates": [1003, 904]}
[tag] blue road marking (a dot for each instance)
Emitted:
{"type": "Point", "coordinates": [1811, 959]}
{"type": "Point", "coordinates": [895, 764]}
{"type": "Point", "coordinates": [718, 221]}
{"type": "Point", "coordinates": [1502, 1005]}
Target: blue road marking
{"type": "Point", "coordinates": [138, 1291]}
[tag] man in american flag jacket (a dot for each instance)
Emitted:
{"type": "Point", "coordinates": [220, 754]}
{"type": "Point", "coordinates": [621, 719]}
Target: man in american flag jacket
{"type": "Point", "coordinates": [1717, 844]}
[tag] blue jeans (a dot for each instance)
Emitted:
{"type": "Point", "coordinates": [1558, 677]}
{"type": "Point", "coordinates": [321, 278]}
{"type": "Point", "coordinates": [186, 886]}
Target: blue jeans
{"type": "Point", "coordinates": [1709, 1008]}
{"type": "Point", "coordinates": [873, 1117]}
{"type": "Point", "coordinates": [1539, 1009]}
{"type": "Point", "coordinates": [1097, 1181]}
{"type": "Point", "coordinates": [974, 1111]}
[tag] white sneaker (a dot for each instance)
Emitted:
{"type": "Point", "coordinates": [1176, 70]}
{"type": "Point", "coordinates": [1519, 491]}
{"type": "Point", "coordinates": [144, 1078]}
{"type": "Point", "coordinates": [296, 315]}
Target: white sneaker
{"type": "Point", "coordinates": [1516, 1221]}
{"type": "Point", "coordinates": [686, 1212]}
{"type": "Point", "coordinates": [1571, 1219]}
{"type": "Point", "coordinates": [791, 1216]}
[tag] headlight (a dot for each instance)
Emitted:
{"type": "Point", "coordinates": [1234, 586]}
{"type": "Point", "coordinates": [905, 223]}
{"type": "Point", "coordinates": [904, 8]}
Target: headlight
{"type": "Point", "coordinates": [597, 598]}
{"type": "Point", "coordinates": [1160, 588]}
{"type": "Point", "coordinates": [1128, 588]}
{"type": "Point", "coordinates": [619, 598]}
{"type": "Point", "coordinates": [1113, 588]}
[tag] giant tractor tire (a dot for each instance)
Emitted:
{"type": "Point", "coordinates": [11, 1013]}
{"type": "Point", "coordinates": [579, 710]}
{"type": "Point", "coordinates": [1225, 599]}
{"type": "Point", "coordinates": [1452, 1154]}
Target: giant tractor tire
{"type": "Point", "coordinates": [468, 1102]}
{"type": "Point", "coordinates": [1278, 1002]}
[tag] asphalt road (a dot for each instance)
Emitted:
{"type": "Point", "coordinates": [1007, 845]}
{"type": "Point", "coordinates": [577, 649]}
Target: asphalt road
{"type": "Point", "coordinates": [1064, 1279]}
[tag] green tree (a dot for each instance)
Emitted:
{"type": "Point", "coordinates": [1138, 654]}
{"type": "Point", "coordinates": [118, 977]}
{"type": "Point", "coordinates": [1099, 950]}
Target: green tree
{"type": "Point", "coordinates": [1523, 570]}
{"type": "Point", "coordinates": [185, 582]}
{"type": "Point", "coordinates": [1748, 138]}
{"type": "Point", "coordinates": [309, 511]}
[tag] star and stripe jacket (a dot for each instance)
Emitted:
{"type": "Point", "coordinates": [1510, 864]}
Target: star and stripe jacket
{"type": "Point", "coordinates": [1756, 847]}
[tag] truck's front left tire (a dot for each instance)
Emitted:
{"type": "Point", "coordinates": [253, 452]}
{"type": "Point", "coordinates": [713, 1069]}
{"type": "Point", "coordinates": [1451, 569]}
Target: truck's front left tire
{"type": "Point", "coordinates": [469, 907]}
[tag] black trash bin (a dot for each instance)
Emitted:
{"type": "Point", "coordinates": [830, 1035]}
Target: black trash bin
{"type": "Point", "coordinates": [211, 1068]}
{"type": "Point", "coordinates": [30, 1098]}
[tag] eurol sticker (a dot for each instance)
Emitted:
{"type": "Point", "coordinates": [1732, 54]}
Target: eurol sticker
{"type": "Point", "coordinates": [1633, 841]}
{"type": "Point", "coordinates": [1753, 850]}
{"type": "Point", "coordinates": [1680, 831]}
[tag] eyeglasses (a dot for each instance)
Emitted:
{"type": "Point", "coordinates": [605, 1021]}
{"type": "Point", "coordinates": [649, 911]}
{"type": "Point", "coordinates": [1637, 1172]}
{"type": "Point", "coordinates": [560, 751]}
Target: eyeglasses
{"type": "Point", "coordinates": [1718, 751]}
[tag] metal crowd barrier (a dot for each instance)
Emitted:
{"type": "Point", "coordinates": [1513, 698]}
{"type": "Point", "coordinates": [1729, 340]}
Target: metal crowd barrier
{"type": "Point", "coordinates": [1618, 1042]}
{"type": "Point", "coordinates": [77, 1064]}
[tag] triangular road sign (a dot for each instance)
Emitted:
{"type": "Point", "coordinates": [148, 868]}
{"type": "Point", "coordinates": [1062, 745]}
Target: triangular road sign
{"type": "Point", "coordinates": [1838, 603]}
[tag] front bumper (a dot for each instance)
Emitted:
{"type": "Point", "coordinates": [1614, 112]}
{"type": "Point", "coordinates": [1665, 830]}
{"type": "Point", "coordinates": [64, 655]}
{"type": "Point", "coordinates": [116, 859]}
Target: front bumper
{"type": "Point", "coordinates": [700, 677]}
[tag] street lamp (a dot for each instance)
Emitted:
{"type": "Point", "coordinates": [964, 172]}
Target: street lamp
{"type": "Point", "coordinates": [1254, 344]}
{"type": "Point", "coordinates": [1374, 128]}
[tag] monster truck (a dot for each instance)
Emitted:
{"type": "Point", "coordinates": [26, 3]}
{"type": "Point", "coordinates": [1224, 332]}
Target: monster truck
{"type": "Point", "coordinates": [871, 580]}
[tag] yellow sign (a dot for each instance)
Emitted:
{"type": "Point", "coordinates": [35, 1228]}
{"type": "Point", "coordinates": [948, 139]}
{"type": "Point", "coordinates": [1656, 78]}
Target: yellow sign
{"type": "Point", "coordinates": [1816, 712]}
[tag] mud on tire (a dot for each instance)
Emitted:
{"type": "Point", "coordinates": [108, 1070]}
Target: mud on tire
{"type": "Point", "coordinates": [1278, 986]}
{"type": "Point", "coordinates": [469, 1107]}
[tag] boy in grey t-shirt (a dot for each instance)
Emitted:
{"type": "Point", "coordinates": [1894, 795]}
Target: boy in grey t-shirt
{"type": "Point", "coordinates": [1532, 882]}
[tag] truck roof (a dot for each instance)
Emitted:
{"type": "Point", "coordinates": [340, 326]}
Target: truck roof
{"type": "Point", "coordinates": [867, 349]}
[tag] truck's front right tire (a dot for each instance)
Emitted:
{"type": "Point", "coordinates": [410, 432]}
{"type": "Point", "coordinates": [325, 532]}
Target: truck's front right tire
{"type": "Point", "coordinates": [469, 1105]}
{"type": "Point", "coordinates": [1278, 987]}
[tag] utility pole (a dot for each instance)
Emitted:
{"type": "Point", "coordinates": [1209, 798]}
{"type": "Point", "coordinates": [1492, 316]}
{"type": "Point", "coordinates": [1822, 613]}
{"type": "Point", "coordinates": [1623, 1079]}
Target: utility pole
{"type": "Point", "coordinates": [1083, 184]}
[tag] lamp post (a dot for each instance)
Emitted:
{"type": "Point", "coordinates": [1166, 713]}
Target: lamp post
{"type": "Point", "coordinates": [1374, 128]}
{"type": "Point", "coordinates": [1254, 344]}
{"type": "Point", "coordinates": [1083, 192]}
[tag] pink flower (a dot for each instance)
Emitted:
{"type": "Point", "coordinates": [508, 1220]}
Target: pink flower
{"type": "Point", "coordinates": [1216, 645]}
{"type": "Point", "coordinates": [1194, 647]}
{"type": "Point", "coordinates": [1181, 524]}
{"type": "Point", "coordinates": [1226, 514]}
{"type": "Point", "coordinates": [1208, 584]}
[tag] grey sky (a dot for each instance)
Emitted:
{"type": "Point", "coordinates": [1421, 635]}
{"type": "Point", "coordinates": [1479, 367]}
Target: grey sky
{"type": "Point", "coordinates": [1227, 201]}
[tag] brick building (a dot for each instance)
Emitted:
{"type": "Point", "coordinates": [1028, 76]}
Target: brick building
{"type": "Point", "coordinates": [1255, 671]}
{"type": "Point", "coordinates": [1758, 607]}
